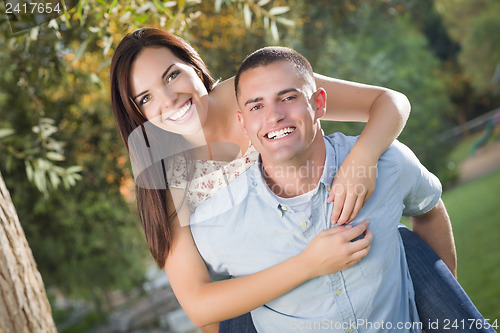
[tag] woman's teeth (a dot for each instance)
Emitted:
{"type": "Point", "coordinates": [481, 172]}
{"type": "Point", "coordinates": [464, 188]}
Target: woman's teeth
{"type": "Point", "coordinates": [182, 111]}
{"type": "Point", "coordinates": [281, 133]}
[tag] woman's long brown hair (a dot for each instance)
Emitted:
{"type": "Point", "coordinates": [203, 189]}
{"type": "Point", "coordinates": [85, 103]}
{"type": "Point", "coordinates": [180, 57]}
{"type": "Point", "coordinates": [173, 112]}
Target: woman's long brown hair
{"type": "Point", "coordinates": [152, 203]}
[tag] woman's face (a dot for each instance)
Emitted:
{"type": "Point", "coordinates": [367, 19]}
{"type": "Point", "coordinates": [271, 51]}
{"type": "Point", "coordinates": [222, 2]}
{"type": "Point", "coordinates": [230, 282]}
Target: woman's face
{"type": "Point", "coordinates": [168, 91]}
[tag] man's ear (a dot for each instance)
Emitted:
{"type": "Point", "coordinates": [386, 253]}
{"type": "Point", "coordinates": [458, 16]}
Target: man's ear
{"type": "Point", "coordinates": [242, 123]}
{"type": "Point", "coordinates": [320, 100]}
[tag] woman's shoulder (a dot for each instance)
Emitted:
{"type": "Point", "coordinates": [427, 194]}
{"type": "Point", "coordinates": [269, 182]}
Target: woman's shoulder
{"type": "Point", "coordinates": [222, 96]}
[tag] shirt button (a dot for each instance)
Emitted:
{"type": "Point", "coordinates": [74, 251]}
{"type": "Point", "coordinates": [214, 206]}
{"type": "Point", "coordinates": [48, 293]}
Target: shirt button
{"type": "Point", "coordinates": [284, 208]}
{"type": "Point", "coordinates": [349, 330]}
{"type": "Point", "coordinates": [338, 291]}
{"type": "Point", "coordinates": [303, 224]}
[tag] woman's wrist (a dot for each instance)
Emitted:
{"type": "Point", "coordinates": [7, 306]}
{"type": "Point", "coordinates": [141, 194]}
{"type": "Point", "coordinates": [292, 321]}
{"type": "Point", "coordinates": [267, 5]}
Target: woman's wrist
{"type": "Point", "coordinates": [362, 155]}
{"type": "Point", "coordinates": [304, 265]}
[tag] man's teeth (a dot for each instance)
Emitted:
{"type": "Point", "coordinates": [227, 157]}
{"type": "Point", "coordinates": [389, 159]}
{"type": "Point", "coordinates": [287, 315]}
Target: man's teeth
{"type": "Point", "coordinates": [281, 133]}
{"type": "Point", "coordinates": [181, 112]}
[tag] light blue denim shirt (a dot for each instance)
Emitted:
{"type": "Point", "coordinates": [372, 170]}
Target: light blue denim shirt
{"type": "Point", "coordinates": [243, 229]}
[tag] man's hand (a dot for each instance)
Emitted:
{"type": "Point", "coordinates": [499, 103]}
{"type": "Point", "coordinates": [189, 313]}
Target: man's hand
{"type": "Point", "coordinates": [352, 186]}
{"type": "Point", "coordinates": [333, 250]}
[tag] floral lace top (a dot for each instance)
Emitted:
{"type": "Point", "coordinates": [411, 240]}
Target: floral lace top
{"type": "Point", "coordinates": [208, 176]}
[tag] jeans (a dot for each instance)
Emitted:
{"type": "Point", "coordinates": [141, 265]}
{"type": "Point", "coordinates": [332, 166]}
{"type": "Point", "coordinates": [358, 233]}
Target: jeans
{"type": "Point", "coordinates": [442, 304]}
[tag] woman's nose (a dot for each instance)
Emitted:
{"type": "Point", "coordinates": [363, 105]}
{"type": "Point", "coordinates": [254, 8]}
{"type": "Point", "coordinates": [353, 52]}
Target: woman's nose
{"type": "Point", "coordinates": [169, 98]}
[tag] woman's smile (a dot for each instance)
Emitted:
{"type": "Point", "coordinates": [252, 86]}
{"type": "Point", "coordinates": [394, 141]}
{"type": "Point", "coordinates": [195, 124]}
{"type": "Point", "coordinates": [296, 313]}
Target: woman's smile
{"type": "Point", "coordinates": [184, 113]}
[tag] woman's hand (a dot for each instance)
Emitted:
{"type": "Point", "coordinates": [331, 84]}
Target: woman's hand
{"type": "Point", "coordinates": [352, 186]}
{"type": "Point", "coordinates": [333, 250]}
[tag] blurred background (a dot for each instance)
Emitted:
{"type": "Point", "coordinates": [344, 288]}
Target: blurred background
{"type": "Point", "coordinates": [68, 173]}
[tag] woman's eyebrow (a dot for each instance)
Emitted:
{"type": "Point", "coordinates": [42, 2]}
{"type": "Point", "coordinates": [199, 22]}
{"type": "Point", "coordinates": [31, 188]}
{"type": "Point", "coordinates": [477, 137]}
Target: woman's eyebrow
{"type": "Point", "coordinates": [166, 72]}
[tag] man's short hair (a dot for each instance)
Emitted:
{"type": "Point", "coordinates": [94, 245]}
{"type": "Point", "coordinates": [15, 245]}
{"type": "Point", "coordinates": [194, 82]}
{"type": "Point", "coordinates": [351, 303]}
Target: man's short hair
{"type": "Point", "coordinates": [271, 54]}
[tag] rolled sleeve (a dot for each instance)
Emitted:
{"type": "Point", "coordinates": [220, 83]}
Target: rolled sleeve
{"type": "Point", "coordinates": [420, 188]}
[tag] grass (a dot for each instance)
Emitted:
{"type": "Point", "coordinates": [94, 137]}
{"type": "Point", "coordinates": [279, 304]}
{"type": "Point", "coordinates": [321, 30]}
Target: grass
{"type": "Point", "coordinates": [475, 214]}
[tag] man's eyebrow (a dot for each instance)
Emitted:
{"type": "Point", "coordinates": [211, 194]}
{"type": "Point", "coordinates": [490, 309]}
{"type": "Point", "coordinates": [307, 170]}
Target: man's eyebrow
{"type": "Point", "coordinates": [165, 73]}
{"type": "Point", "coordinates": [283, 92]}
{"type": "Point", "coordinates": [286, 91]}
{"type": "Point", "coordinates": [254, 100]}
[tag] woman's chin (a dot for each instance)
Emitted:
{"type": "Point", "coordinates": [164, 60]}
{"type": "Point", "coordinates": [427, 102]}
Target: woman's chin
{"type": "Point", "coordinates": [188, 128]}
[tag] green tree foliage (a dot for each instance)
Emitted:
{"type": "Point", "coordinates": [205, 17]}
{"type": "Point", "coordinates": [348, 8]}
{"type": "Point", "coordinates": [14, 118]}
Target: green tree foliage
{"type": "Point", "coordinates": [378, 43]}
{"type": "Point", "coordinates": [57, 128]}
{"type": "Point", "coordinates": [474, 24]}
{"type": "Point", "coordinates": [56, 125]}
{"type": "Point", "coordinates": [85, 236]}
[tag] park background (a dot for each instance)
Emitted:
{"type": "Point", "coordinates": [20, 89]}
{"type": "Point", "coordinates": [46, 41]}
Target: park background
{"type": "Point", "coordinates": [68, 173]}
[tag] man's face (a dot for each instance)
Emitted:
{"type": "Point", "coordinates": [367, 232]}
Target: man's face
{"type": "Point", "coordinates": [279, 111]}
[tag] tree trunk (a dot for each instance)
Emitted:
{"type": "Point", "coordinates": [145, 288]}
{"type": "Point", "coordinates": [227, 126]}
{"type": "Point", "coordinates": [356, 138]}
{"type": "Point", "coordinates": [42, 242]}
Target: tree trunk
{"type": "Point", "coordinates": [24, 306]}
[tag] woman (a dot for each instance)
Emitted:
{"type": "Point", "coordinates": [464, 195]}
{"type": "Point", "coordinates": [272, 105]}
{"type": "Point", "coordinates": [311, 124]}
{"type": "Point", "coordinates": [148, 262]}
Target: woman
{"type": "Point", "coordinates": [158, 79]}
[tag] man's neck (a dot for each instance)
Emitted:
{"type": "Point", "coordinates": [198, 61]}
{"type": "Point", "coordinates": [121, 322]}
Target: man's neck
{"type": "Point", "coordinates": [297, 176]}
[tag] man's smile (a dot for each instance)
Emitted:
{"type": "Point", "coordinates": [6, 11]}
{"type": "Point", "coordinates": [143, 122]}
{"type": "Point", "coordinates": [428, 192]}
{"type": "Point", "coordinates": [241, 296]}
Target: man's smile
{"type": "Point", "coordinates": [278, 134]}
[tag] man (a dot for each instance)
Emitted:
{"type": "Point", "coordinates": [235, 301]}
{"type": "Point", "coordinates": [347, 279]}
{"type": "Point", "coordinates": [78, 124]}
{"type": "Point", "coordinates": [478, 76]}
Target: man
{"type": "Point", "coordinates": [274, 210]}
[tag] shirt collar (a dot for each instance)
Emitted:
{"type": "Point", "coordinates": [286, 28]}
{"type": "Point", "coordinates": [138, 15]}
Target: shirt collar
{"type": "Point", "coordinates": [329, 171]}
{"type": "Point", "coordinates": [330, 167]}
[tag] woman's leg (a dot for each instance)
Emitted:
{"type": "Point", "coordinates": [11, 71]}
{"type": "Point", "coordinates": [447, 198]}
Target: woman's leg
{"type": "Point", "coordinates": [241, 324]}
{"type": "Point", "coordinates": [441, 301]}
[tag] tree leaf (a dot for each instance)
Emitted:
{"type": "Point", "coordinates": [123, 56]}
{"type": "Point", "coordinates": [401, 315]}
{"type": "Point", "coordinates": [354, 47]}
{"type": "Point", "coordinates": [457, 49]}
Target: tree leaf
{"type": "Point", "coordinates": [74, 169]}
{"type": "Point", "coordinates": [247, 14]}
{"type": "Point", "coordinates": [274, 31]}
{"type": "Point", "coordinates": [262, 3]}
{"type": "Point", "coordinates": [218, 5]}
{"type": "Point", "coordinates": [266, 22]}
{"type": "Point", "coordinates": [29, 170]}
{"type": "Point", "coordinates": [113, 4]}
{"type": "Point", "coordinates": [285, 21]}
{"type": "Point", "coordinates": [81, 50]}
{"type": "Point", "coordinates": [5, 132]}
{"type": "Point", "coordinates": [169, 4]}
{"type": "Point", "coordinates": [279, 10]}
{"type": "Point", "coordinates": [55, 156]}
{"type": "Point", "coordinates": [54, 179]}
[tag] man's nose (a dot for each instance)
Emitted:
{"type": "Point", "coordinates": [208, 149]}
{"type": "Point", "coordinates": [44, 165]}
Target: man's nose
{"type": "Point", "coordinates": [275, 113]}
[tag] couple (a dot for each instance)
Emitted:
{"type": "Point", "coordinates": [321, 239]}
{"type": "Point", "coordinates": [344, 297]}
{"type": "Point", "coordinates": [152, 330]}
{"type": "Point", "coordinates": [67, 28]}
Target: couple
{"type": "Point", "coordinates": [287, 261]}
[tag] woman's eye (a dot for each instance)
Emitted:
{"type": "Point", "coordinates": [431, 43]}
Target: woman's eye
{"type": "Point", "coordinates": [145, 99]}
{"type": "Point", "coordinates": [173, 75]}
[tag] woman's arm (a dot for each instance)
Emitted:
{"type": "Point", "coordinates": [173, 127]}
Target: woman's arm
{"type": "Point", "coordinates": [385, 112]}
{"type": "Point", "coordinates": [208, 302]}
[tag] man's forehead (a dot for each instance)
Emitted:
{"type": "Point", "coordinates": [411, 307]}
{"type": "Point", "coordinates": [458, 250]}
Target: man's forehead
{"type": "Point", "coordinates": [271, 78]}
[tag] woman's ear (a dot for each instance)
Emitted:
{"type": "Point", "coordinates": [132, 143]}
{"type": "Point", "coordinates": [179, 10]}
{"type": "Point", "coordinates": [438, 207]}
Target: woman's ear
{"type": "Point", "coordinates": [320, 99]}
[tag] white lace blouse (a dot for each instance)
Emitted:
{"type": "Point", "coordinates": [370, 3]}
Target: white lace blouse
{"type": "Point", "coordinates": [208, 176]}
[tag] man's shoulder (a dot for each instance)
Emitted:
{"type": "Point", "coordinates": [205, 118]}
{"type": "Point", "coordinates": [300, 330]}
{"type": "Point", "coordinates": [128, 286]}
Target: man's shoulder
{"type": "Point", "coordinates": [341, 140]}
{"type": "Point", "coordinates": [397, 154]}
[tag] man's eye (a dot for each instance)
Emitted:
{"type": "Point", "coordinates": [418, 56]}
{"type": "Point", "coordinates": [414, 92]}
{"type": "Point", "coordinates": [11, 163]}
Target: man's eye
{"type": "Point", "coordinates": [288, 98]}
{"type": "Point", "coordinates": [172, 76]}
{"type": "Point", "coordinates": [255, 108]}
{"type": "Point", "coordinates": [145, 99]}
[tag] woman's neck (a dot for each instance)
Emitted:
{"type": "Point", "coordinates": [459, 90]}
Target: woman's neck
{"type": "Point", "coordinates": [222, 126]}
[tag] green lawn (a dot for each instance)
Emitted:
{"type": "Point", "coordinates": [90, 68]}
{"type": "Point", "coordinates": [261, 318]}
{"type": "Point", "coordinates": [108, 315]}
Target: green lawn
{"type": "Point", "coordinates": [474, 209]}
